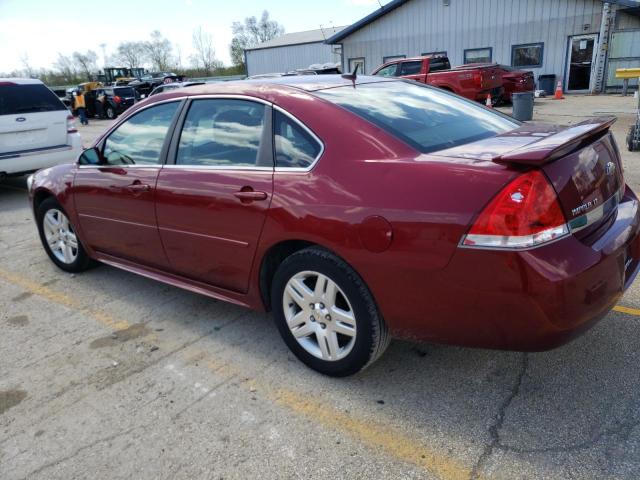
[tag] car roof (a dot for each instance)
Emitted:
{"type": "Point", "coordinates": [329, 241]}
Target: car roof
{"type": "Point", "coordinates": [309, 83]}
{"type": "Point", "coordinates": [21, 81]}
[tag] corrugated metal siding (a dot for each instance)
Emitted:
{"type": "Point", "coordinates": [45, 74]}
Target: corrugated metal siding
{"type": "Point", "coordinates": [427, 25]}
{"type": "Point", "coordinates": [284, 59]}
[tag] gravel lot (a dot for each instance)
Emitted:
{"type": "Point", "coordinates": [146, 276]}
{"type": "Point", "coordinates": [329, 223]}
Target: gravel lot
{"type": "Point", "coordinates": [108, 375]}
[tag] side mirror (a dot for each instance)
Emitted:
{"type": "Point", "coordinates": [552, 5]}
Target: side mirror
{"type": "Point", "coordinates": [91, 156]}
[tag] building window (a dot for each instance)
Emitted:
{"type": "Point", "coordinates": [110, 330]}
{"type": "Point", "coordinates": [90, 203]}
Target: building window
{"type": "Point", "coordinates": [391, 58]}
{"type": "Point", "coordinates": [357, 61]}
{"type": "Point", "coordinates": [529, 55]}
{"type": "Point", "coordinates": [478, 55]}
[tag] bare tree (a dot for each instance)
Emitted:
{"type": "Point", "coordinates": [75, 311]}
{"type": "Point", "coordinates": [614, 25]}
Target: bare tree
{"type": "Point", "coordinates": [86, 62]}
{"type": "Point", "coordinates": [205, 54]}
{"type": "Point", "coordinates": [65, 66]}
{"type": "Point", "coordinates": [252, 32]}
{"type": "Point", "coordinates": [26, 65]}
{"type": "Point", "coordinates": [132, 54]}
{"type": "Point", "coordinates": [159, 51]}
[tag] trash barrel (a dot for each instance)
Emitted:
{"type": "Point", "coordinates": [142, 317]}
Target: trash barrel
{"type": "Point", "coordinates": [547, 83]}
{"type": "Point", "coordinates": [523, 106]}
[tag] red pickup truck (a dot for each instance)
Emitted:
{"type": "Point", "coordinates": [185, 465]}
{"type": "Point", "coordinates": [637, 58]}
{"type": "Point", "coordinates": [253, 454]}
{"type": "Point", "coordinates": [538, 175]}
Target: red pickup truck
{"type": "Point", "coordinates": [474, 82]}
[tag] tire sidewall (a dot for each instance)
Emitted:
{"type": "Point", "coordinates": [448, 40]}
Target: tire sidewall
{"type": "Point", "coordinates": [110, 113]}
{"type": "Point", "coordinates": [82, 259]}
{"type": "Point", "coordinates": [357, 294]}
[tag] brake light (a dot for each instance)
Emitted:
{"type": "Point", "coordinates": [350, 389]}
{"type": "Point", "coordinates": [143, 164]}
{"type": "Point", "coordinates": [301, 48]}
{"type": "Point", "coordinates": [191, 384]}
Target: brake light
{"type": "Point", "coordinates": [117, 99]}
{"type": "Point", "coordinates": [477, 78]}
{"type": "Point", "coordinates": [71, 124]}
{"type": "Point", "coordinates": [526, 213]}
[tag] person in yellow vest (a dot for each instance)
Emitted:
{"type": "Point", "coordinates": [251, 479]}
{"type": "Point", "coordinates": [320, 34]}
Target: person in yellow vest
{"type": "Point", "coordinates": [81, 107]}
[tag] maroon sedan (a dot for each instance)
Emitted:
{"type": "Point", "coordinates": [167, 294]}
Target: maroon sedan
{"type": "Point", "coordinates": [357, 211]}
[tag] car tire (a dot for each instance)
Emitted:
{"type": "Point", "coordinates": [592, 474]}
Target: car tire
{"type": "Point", "coordinates": [59, 239]}
{"type": "Point", "coordinates": [110, 112]}
{"type": "Point", "coordinates": [333, 327]}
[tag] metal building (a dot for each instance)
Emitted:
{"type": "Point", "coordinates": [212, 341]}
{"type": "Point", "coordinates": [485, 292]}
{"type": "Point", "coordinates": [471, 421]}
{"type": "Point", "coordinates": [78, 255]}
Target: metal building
{"type": "Point", "coordinates": [580, 41]}
{"type": "Point", "coordinates": [292, 51]}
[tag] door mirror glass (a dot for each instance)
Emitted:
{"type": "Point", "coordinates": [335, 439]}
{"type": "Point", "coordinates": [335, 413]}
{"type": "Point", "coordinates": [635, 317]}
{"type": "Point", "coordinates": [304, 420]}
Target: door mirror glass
{"type": "Point", "coordinates": [90, 156]}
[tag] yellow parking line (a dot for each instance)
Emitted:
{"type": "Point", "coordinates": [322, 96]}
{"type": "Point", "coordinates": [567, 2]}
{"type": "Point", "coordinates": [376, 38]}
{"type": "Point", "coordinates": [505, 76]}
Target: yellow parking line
{"type": "Point", "coordinates": [372, 435]}
{"type": "Point", "coordinates": [630, 311]}
{"type": "Point", "coordinates": [62, 299]}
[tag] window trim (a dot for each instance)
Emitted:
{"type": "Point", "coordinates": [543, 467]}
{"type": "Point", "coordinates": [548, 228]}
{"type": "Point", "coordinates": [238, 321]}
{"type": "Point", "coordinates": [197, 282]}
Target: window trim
{"type": "Point", "coordinates": [165, 147]}
{"type": "Point", "coordinates": [433, 54]}
{"type": "Point", "coordinates": [391, 58]}
{"type": "Point", "coordinates": [172, 153]}
{"type": "Point", "coordinates": [306, 129]}
{"type": "Point", "coordinates": [464, 57]}
{"type": "Point", "coordinates": [535, 44]}
{"type": "Point", "coordinates": [364, 64]}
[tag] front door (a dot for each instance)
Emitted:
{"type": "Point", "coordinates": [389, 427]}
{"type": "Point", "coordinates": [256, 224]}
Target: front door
{"type": "Point", "coordinates": [212, 202]}
{"type": "Point", "coordinates": [582, 54]}
{"type": "Point", "coordinates": [115, 198]}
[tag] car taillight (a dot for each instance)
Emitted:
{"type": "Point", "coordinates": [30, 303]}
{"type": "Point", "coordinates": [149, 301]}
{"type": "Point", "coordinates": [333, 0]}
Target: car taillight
{"type": "Point", "coordinates": [71, 124]}
{"type": "Point", "coordinates": [477, 78]}
{"type": "Point", "coordinates": [526, 213]}
{"type": "Point", "coordinates": [117, 99]}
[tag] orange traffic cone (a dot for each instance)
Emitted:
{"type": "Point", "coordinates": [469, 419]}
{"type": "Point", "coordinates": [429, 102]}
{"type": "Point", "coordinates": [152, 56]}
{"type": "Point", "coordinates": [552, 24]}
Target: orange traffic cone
{"type": "Point", "coordinates": [489, 103]}
{"type": "Point", "coordinates": [559, 95]}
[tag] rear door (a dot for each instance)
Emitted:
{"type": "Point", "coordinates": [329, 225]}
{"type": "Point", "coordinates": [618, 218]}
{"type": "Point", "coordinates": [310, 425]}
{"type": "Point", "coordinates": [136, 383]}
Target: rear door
{"type": "Point", "coordinates": [212, 201]}
{"type": "Point", "coordinates": [115, 199]}
{"type": "Point", "coordinates": [412, 70]}
{"type": "Point", "coordinates": [32, 117]}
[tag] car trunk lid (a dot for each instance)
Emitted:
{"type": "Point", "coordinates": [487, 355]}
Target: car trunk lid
{"type": "Point", "coordinates": [581, 161]}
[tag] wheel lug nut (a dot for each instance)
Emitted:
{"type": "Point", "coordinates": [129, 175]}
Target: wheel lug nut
{"type": "Point", "coordinates": [313, 319]}
{"type": "Point", "coordinates": [321, 306]}
{"type": "Point", "coordinates": [312, 306]}
{"type": "Point", "coordinates": [323, 325]}
{"type": "Point", "coordinates": [328, 318]}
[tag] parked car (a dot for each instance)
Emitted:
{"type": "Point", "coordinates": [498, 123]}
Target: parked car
{"type": "Point", "coordinates": [148, 82]}
{"type": "Point", "coordinates": [172, 86]}
{"type": "Point", "coordinates": [118, 100]}
{"type": "Point", "coordinates": [472, 82]}
{"type": "Point", "coordinates": [36, 129]}
{"type": "Point", "coordinates": [514, 80]}
{"type": "Point", "coordinates": [355, 210]}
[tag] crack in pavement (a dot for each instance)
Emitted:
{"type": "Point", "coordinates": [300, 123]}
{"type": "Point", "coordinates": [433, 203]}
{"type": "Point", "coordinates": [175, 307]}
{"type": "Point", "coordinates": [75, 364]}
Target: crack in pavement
{"type": "Point", "coordinates": [494, 429]}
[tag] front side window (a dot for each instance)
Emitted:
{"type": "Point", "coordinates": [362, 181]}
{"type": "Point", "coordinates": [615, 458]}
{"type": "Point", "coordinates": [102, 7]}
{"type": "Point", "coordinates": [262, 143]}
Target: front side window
{"type": "Point", "coordinates": [221, 133]}
{"type": "Point", "coordinates": [389, 71]}
{"type": "Point", "coordinates": [478, 55]}
{"type": "Point", "coordinates": [294, 146]}
{"type": "Point", "coordinates": [411, 68]}
{"type": "Point", "coordinates": [527, 55]}
{"type": "Point", "coordinates": [424, 117]}
{"type": "Point", "coordinates": [139, 140]}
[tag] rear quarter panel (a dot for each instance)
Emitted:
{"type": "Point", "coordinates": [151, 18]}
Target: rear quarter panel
{"type": "Point", "coordinates": [429, 202]}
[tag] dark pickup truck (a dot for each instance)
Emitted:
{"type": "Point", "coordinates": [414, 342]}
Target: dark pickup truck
{"type": "Point", "coordinates": [472, 82]}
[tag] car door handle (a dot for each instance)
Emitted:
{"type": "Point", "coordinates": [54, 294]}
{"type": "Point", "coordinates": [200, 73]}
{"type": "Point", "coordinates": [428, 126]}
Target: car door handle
{"type": "Point", "coordinates": [138, 187]}
{"type": "Point", "coordinates": [251, 196]}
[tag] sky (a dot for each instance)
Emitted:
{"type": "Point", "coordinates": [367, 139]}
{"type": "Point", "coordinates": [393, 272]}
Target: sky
{"type": "Point", "coordinates": [40, 29]}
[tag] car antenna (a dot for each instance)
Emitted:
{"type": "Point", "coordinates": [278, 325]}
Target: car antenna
{"type": "Point", "coordinates": [353, 76]}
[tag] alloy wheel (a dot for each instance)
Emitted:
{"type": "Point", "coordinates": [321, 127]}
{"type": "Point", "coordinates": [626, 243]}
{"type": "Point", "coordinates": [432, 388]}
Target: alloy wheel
{"type": "Point", "coordinates": [319, 316]}
{"type": "Point", "coordinates": [60, 237]}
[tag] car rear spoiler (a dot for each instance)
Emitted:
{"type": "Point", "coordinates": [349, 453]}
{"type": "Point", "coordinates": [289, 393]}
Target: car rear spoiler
{"type": "Point", "coordinates": [552, 147]}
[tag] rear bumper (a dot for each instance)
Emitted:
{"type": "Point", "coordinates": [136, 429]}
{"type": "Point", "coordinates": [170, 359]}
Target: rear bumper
{"type": "Point", "coordinates": [532, 300]}
{"type": "Point", "coordinates": [31, 160]}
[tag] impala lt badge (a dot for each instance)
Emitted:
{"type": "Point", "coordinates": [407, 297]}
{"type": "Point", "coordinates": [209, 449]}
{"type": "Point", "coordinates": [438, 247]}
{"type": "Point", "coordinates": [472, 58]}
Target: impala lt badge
{"type": "Point", "coordinates": [584, 207]}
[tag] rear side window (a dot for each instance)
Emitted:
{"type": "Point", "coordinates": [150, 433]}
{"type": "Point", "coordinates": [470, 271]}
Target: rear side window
{"type": "Point", "coordinates": [139, 140]}
{"type": "Point", "coordinates": [16, 99]}
{"type": "Point", "coordinates": [426, 118]}
{"type": "Point", "coordinates": [222, 133]}
{"type": "Point", "coordinates": [124, 92]}
{"type": "Point", "coordinates": [411, 68]}
{"type": "Point", "coordinates": [295, 147]}
{"type": "Point", "coordinates": [438, 64]}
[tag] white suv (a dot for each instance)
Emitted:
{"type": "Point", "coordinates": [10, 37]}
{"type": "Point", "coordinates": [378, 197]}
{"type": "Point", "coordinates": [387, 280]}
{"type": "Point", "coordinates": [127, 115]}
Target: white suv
{"type": "Point", "coordinates": [36, 129]}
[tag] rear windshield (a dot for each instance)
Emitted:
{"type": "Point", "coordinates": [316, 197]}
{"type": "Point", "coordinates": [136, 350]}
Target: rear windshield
{"type": "Point", "coordinates": [426, 118]}
{"type": "Point", "coordinates": [124, 92]}
{"type": "Point", "coordinates": [15, 99]}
